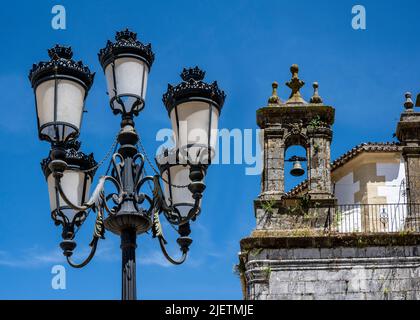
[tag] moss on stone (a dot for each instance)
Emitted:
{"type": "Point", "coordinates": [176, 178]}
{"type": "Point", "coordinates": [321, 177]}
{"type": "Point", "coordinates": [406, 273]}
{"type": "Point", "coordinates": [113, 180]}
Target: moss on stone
{"type": "Point", "coordinates": [306, 238]}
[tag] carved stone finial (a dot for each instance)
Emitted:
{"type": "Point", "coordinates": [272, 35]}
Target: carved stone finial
{"type": "Point", "coordinates": [274, 99]}
{"type": "Point", "coordinates": [316, 97]}
{"type": "Point", "coordinates": [409, 105]}
{"type": "Point", "coordinates": [295, 84]}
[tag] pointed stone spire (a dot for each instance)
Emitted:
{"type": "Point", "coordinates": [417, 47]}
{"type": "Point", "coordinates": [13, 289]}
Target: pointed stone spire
{"type": "Point", "coordinates": [295, 84]}
{"type": "Point", "coordinates": [316, 97]}
{"type": "Point", "coordinates": [409, 105]}
{"type": "Point", "coordinates": [274, 100]}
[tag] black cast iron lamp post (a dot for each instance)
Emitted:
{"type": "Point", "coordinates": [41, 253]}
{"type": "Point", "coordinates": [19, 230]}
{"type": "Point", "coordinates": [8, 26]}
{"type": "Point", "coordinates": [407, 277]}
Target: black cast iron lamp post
{"type": "Point", "coordinates": [61, 86]}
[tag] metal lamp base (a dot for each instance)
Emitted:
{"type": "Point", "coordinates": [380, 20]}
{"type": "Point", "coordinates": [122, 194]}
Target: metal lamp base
{"type": "Point", "coordinates": [121, 221]}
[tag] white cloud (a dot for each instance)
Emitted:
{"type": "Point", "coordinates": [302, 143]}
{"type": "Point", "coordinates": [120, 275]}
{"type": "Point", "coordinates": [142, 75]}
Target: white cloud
{"type": "Point", "coordinates": [154, 258]}
{"type": "Point", "coordinates": [36, 256]}
{"type": "Point", "coordinates": [30, 258]}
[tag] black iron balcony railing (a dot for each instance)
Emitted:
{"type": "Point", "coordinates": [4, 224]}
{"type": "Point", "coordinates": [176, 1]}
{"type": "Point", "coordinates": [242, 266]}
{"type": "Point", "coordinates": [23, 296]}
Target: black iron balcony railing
{"type": "Point", "coordinates": [374, 218]}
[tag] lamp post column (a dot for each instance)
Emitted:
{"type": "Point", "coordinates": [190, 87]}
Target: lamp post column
{"type": "Point", "coordinates": [128, 248]}
{"type": "Point", "coordinates": [130, 220]}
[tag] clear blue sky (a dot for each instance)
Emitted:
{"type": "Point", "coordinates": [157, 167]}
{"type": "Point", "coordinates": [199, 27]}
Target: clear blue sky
{"type": "Point", "coordinates": [245, 45]}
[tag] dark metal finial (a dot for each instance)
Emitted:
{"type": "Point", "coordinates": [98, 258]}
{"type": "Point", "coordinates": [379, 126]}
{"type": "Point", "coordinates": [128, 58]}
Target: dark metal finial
{"type": "Point", "coordinates": [61, 62]}
{"type": "Point", "coordinates": [126, 43]}
{"type": "Point", "coordinates": [74, 144]}
{"type": "Point", "coordinates": [193, 73]}
{"type": "Point", "coordinates": [59, 51]}
{"type": "Point", "coordinates": [126, 35]}
{"type": "Point", "coordinates": [193, 86]}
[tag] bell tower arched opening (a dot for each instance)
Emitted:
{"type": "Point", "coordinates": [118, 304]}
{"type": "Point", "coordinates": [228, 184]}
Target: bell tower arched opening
{"type": "Point", "coordinates": [295, 166]}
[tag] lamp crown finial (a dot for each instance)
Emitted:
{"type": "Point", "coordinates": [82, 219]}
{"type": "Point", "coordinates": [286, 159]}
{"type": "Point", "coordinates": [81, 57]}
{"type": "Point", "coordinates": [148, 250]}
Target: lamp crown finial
{"type": "Point", "coordinates": [60, 52]}
{"type": "Point", "coordinates": [126, 35]}
{"type": "Point", "coordinates": [192, 87]}
{"type": "Point", "coordinates": [126, 43]}
{"type": "Point", "coordinates": [61, 62]}
{"type": "Point", "coordinates": [193, 73]}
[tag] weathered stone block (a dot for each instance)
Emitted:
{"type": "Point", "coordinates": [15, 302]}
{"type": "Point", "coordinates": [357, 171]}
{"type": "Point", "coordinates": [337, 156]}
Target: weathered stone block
{"type": "Point", "coordinates": [348, 252]}
{"type": "Point", "coordinates": [345, 273]}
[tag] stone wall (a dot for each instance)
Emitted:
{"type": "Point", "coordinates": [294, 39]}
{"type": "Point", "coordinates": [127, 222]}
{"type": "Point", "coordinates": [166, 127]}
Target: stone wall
{"type": "Point", "coordinates": [352, 268]}
{"type": "Point", "coordinates": [408, 133]}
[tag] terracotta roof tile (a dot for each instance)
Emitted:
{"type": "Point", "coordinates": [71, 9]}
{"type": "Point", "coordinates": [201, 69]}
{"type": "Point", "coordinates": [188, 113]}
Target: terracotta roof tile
{"type": "Point", "coordinates": [365, 147]}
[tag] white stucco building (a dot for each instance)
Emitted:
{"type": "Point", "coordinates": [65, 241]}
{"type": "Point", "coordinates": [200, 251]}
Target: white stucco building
{"type": "Point", "coordinates": [369, 185]}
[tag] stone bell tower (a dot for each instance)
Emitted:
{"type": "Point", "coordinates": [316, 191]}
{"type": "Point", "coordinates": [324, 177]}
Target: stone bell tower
{"type": "Point", "coordinates": [293, 254]}
{"type": "Point", "coordinates": [408, 133]}
{"type": "Point", "coordinates": [294, 122]}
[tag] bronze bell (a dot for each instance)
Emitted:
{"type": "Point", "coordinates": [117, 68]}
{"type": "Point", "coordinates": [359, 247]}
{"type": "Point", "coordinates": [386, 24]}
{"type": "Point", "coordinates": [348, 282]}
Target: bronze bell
{"type": "Point", "coordinates": [297, 170]}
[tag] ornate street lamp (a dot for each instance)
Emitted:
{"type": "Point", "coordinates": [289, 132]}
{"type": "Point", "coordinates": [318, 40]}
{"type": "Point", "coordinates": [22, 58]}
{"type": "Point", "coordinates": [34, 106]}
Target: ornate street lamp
{"type": "Point", "coordinates": [126, 64]}
{"type": "Point", "coordinates": [176, 174]}
{"type": "Point", "coordinates": [61, 86]}
{"type": "Point", "coordinates": [194, 107]}
{"type": "Point", "coordinates": [75, 181]}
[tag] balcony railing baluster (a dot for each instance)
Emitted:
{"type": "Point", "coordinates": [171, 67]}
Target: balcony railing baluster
{"type": "Point", "coordinates": [373, 218]}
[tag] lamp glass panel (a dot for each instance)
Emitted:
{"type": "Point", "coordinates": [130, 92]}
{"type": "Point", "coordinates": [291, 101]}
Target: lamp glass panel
{"type": "Point", "coordinates": [70, 99]}
{"type": "Point", "coordinates": [181, 198]}
{"type": "Point", "coordinates": [74, 186]}
{"type": "Point", "coordinates": [70, 103]}
{"type": "Point", "coordinates": [192, 129]}
{"type": "Point", "coordinates": [130, 81]}
{"type": "Point", "coordinates": [45, 102]}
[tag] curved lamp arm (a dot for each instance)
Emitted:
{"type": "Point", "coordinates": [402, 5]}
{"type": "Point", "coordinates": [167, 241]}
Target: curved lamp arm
{"type": "Point", "coordinates": [94, 200]}
{"type": "Point", "coordinates": [161, 205]}
{"type": "Point", "coordinates": [158, 233]}
{"type": "Point", "coordinates": [162, 243]}
{"type": "Point", "coordinates": [184, 242]}
{"type": "Point", "coordinates": [98, 233]}
{"type": "Point", "coordinates": [195, 210]}
{"type": "Point", "coordinates": [93, 245]}
{"type": "Point", "coordinates": [89, 204]}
